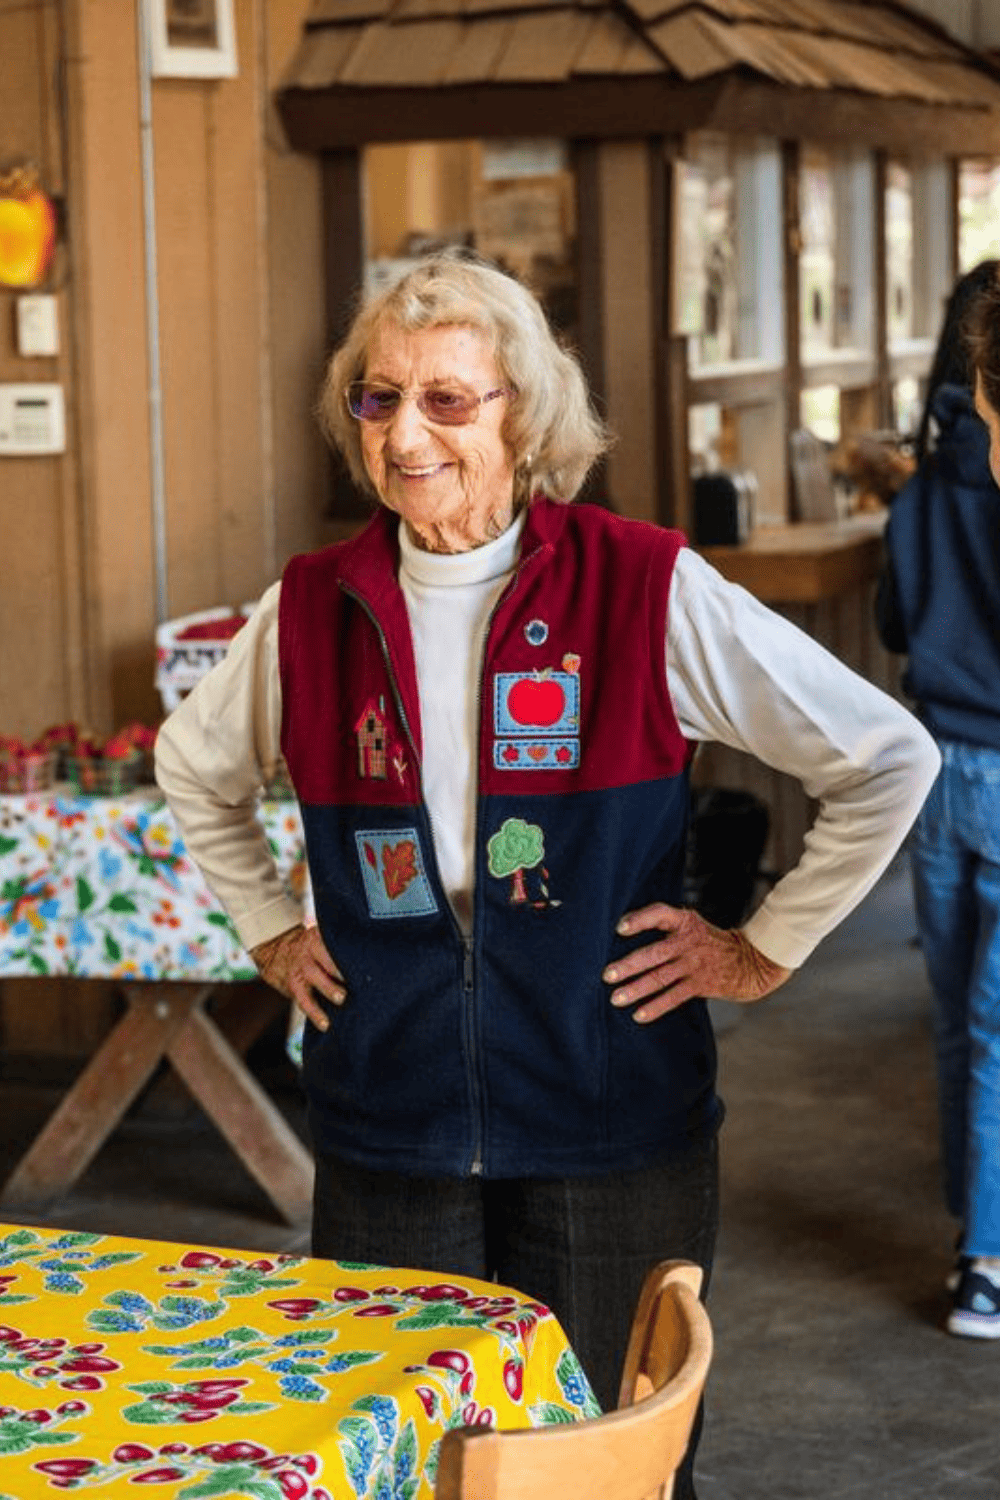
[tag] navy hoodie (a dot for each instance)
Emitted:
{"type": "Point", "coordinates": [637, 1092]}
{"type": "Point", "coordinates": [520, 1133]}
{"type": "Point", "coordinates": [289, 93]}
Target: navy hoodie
{"type": "Point", "coordinates": [939, 597]}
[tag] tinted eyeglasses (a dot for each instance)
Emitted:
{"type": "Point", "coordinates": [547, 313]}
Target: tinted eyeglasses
{"type": "Point", "coordinates": [444, 405]}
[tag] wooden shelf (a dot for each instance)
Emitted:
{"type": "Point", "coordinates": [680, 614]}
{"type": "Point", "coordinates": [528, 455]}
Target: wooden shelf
{"type": "Point", "coordinates": [804, 563]}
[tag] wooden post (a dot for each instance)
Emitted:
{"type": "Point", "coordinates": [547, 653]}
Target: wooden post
{"type": "Point", "coordinates": [883, 373]}
{"type": "Point", "coordinates": [674, 493]}
{"type": "Point", "coordinates": [590, 294]}
{"type": "Point", "coordinates": [344, 263]}
{"type": "Point", "coordinates": [791, 246]}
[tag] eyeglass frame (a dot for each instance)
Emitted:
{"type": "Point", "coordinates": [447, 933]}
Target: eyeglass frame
{"type": "Point", "coordinates": [417, 392]}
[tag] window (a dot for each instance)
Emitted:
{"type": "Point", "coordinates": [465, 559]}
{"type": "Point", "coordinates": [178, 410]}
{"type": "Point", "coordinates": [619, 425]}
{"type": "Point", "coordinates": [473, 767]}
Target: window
{"type": "Point", "coordinates": [511, 199]}
{"type": "Point", "coordinates": [899, 253]}
{"type": "Point", "coordinates": [818, 256]}
{"type": "Point", "coordinates": [978, 213]}
{"type": "Point", "coordinates": [741, 251]}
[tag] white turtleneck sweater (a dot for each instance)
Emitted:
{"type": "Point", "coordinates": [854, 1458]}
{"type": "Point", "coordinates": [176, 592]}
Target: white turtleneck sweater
{"type": "Point", "coordinates": [738, 673]}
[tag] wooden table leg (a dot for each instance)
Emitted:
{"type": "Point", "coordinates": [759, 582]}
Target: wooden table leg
{"type": "Point", "coordinates": [256, 1130]}
{"type": "Point", "coordinates": [103, 1092]}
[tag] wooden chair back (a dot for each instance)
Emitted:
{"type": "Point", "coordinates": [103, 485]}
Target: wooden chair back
{"type": "Point", "coordinates": [628, 1454]}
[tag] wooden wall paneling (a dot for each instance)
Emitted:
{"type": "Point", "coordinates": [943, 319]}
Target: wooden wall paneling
{"type": "Point", "coordinates": [95, 566]}
{"type": "Point", "coordinates": [240, 356]}
{"type": "Point", "coordinates": [34, 600]}
{"type": "Point", "coordinates": [105, 204]}
{"type": "Point", "coordinates": [186, 227]}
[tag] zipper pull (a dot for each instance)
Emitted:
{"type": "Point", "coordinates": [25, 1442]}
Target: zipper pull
{"type": "Point", "coordinates": [468, 969]}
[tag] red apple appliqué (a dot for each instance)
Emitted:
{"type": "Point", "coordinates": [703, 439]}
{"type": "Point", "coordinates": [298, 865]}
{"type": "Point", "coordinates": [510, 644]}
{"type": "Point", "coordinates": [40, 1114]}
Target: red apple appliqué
{"type": "Point", "coordinates": [536, 701]}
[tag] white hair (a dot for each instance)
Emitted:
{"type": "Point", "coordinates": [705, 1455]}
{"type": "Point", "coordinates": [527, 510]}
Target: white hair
{"type": "Point", "coordinates": [550, 427]}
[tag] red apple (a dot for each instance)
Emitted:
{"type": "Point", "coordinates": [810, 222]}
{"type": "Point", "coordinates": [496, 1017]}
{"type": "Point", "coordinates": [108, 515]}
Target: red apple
{"type": "Point", "coordinates": [536, 701]}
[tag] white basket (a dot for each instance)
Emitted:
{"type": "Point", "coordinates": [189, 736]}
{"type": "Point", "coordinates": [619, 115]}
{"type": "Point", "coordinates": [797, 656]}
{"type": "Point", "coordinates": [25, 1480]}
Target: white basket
{"type": "Point", "coordinates": [181, 664]}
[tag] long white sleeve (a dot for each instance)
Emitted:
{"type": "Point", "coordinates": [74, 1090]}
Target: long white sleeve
{"type": "Point", "coordinates": [212, 756]}
{"type": "Point", "coordinates": [743, 675]}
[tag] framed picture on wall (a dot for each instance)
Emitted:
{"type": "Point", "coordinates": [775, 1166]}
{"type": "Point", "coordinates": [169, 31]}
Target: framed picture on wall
{"type": "Point", "coordinates": [192, 38]}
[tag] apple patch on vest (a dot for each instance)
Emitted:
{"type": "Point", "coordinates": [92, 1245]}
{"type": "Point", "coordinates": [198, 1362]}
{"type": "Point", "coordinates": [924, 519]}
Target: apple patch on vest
{"type": "Point", "coordinates": [536, 718]}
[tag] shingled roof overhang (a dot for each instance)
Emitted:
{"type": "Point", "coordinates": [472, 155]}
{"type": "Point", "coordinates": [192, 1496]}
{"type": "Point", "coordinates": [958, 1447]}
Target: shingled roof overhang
{"type": "Point", "coordinates": [843, 71]}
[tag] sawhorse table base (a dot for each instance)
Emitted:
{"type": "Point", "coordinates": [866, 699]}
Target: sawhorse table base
{"type": "Point", "coordinates": [165, 1020]}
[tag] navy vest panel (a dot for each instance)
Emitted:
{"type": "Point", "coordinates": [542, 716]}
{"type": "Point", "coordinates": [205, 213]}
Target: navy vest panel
{"type": "Point", "coordinates": [498, 1053]}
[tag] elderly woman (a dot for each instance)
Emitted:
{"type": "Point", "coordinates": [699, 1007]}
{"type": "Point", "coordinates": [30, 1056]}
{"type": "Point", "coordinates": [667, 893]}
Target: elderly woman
{"type": "Point", "coordinates": [488, 702]}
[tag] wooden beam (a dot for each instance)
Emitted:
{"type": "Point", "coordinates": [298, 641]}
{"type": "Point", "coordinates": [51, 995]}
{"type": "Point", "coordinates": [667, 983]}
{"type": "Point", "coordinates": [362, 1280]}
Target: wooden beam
{"type": "Point", "coordinates": [336, 118]}
{"type": "Point", "coordinates": [259, 1134]}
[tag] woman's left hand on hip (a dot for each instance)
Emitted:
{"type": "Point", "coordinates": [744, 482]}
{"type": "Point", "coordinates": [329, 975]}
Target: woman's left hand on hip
{"type": "Point", "coordinates": [693, 958]}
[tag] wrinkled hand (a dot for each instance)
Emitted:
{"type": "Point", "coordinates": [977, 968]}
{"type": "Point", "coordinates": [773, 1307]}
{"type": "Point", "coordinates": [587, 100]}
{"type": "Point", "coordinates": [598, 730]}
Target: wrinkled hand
{"type": "Point", "coordinates": [296, 963]}
{"type": "Point", "coordinates": [694, 958]}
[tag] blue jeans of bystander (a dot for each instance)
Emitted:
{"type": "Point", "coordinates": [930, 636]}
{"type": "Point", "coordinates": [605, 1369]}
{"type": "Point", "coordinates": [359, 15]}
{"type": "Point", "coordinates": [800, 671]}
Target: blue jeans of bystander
{"type": "Point", "coordinates": [955, 850]}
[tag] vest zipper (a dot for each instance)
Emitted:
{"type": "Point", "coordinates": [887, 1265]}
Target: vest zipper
{"type": "Point", "coordinates": [469, 987]}
{"type": "Point", "coordinates": [468, 943]}
{"type": "Point", "coordinates": [468, 966]}
{"type": "Point", "coordinates": [471, 1019]}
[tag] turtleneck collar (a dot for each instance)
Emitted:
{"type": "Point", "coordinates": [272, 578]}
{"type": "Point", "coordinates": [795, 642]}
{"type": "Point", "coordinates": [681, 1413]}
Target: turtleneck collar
{"type": "Point", "coordinates": [458, 569]}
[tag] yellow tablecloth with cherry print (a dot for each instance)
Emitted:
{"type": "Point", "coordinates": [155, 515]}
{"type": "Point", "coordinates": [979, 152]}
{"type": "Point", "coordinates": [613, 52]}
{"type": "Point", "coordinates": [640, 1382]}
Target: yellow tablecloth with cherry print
{"type": "Point", "coordinates": [206, 1373]}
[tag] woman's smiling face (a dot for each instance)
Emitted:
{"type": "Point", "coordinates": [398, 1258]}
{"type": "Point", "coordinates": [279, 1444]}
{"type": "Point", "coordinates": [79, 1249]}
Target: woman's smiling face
{"type": "Point", "coordinates": [453, 486]}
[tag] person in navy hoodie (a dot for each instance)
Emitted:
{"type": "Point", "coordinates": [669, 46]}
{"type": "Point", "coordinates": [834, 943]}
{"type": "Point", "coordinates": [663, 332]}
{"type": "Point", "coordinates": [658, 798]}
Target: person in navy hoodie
{"type": "Point", "coordinates": [488, 702]}
{"type": "Point", "coordinates": [939, 603]}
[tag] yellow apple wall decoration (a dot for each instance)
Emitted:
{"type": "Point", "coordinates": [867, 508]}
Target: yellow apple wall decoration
{"type": "Point", "coordinates": [27, 229]}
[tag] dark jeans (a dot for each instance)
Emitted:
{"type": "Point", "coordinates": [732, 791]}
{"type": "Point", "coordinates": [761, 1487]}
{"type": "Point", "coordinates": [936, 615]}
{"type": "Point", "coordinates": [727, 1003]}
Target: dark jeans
{"type": "Point", "coordinates": [581, 1245]}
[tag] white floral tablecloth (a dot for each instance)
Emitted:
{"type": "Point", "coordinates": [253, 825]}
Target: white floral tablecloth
{"type": "Point", "coordinates": [102, 888]}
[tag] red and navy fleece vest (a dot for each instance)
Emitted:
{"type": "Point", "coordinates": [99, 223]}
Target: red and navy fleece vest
{"type": "Point", "coordinates": [499, 1053]}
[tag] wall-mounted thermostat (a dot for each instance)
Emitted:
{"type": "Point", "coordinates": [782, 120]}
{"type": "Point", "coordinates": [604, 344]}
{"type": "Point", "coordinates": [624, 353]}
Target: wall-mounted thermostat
{"type": "Point", "coordinates": [32, 420]}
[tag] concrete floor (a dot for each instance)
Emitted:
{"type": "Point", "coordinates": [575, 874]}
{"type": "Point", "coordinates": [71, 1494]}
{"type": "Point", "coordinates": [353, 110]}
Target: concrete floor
{"type": "Point", "coordinates": [832, 1379]}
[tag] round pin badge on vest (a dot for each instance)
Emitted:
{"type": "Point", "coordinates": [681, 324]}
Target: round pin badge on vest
{"type": "Point", "coordinates": [536, 632]}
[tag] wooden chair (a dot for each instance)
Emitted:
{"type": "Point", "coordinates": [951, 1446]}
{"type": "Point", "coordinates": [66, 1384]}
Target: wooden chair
{"type": "Point", "coordinates": [628, 1454]}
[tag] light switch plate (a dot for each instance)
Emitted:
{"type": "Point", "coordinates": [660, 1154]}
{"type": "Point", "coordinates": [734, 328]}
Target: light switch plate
{"type": "Point", "coordinates": [37, 326]}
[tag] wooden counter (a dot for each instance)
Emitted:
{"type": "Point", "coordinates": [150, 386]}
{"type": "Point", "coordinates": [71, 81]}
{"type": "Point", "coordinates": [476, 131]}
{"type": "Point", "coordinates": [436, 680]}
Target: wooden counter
{"type": "Point", "coordinates": [805, 563]}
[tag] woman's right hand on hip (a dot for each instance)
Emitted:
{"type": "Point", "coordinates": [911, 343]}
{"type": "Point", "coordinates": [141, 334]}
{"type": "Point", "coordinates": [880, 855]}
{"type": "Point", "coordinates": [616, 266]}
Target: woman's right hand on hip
{"type": "Point", "coordinates": [296, 963]}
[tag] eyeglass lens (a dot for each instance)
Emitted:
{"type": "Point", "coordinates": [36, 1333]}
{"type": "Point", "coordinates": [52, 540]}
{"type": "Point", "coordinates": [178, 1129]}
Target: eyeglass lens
{"type": "Point", "coordinates": [448, 407]}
